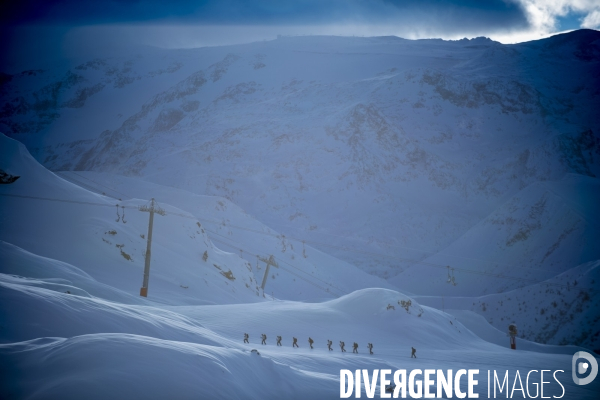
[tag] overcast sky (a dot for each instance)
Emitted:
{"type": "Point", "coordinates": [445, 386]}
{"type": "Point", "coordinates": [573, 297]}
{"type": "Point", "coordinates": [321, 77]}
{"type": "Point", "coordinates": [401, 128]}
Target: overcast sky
{"type": "Point", "coordinates": [68, 26]}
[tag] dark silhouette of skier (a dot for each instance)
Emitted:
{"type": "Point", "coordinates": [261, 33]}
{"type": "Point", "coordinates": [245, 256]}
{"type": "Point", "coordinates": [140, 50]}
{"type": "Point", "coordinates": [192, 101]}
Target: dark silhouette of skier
{"type": "Point", "coordinates": [279, 341]}
{"type": "Point", "coordinates": [370, 347]}
{"type": "Point", "coordinates": [295, 342]}
{"type": "Point", "coordinates": [264, 338]}
{"type": "Point", "coordinates": [355, 348]}
{"type": "Point", "coordinates": [342, 344]}
{"type": "Point", "coordinates": [329, 343]}
{"type": "Point", "coordinates": [246, 338]}
{"type": "Point", "coordinates": [414, 352]}
{"type": "Point", "coordinates": [310, 342]}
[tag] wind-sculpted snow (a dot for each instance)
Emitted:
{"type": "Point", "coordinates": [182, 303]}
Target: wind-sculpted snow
{"type": "Point", "coordinates": [20, 263]}
{"type": "Point", "coordinates": [104, 366]}
{"type": "Point", "coordinates": [51, 312]}
{"type": "Point", "coordinates": [100, 349]}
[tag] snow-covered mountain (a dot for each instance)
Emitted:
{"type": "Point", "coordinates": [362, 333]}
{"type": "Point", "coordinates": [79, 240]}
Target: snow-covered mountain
{"type": "Point", "coordinates": [464, 172]}
{"type": "Point", "coordinates": [381, 151]}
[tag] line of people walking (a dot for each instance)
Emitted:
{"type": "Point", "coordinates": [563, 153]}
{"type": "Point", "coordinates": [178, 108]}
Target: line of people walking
{"type": "Point", "coordinates": [310, 343]}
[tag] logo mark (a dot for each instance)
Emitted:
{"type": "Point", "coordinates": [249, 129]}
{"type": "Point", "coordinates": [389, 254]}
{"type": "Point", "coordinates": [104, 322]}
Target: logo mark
{"type": "Point", "coordinates": [582, 367]}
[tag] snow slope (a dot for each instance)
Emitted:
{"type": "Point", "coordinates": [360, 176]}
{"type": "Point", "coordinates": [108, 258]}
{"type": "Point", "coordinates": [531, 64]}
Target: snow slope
{"type": "Point", "coordinates": [544, 230]}
{"type": "Point", "coordinates": [302, 268]}
{"type": "Point", "coordinates": [57, 275]}
{"type": "Point", "coordinates": [96, 348]}
{"type": "Point", "coordinates": [84, 232]}
{"type": "Point", "coordinates": [479, 326]}
{"type": "Point", "coordinates": [561, 310]}
{"type": "Point", "coordinates": [179, 241]}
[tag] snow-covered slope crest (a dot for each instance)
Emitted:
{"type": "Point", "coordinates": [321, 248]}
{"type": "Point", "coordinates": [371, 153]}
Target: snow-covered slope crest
{"type": "Point", "coordinates": [387, 318]}
{"type": "Point", "coordinates": [53, 218]}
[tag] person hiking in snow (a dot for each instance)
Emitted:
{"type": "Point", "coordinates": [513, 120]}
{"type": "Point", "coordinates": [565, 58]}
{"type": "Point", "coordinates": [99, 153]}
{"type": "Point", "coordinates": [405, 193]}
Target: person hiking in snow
{"type": "Point", "coordinates": [310, 342]}
{"type": "Point", "coordinates": [246, 338]}
{"type": "Point", "coordinates": [370, 347]}
{"type": "Point", "coordinates": [279, 341]}
{"type": "Point", "coordinates": [355, 348]}
{"type": "Point", "coordinates": [329, 343]}
{"type": "Point", "coordinates": [414, 352]}
{"type": "Point", "coordinates": [264, 338]}
{"type": "Point", "coordinates": [342, 344]}
{"type": "Point", "coordinates": [295, 343]}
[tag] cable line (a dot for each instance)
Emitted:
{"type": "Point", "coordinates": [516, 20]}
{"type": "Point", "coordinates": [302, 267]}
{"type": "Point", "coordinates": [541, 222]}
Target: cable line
{"type": "Point", "coordinates": [88, 203]}
{"type": "Point", "coordinates": [280, 260]}
{"type": "Point", "coordinates": [346, 249]}
{"type": "Point", "coordinates": [465, 270]}
{"type": "Point", "coordinates": [289, 271]}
